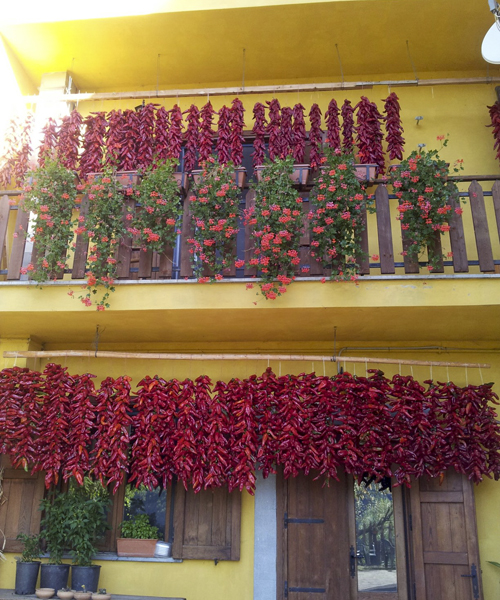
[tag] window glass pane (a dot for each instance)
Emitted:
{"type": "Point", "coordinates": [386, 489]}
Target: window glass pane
{"type": "Point", "coordinates": [375, 538]}
{"type": "Point", "coordinates": [139, 501]}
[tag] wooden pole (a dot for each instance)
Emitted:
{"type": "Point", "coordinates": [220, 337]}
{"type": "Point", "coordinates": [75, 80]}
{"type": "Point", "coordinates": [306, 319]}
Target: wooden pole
{"type": "Point", "coordinates": [209, 357]}
{"type": "Point", "coordinates": [261, 89]}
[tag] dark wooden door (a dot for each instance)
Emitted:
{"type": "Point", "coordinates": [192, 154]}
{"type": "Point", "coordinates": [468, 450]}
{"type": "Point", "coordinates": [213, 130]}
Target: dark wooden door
{"type": "Point", "coordinates": [444, 539]}
{"type": "Point", "coordinates": [313, 539]}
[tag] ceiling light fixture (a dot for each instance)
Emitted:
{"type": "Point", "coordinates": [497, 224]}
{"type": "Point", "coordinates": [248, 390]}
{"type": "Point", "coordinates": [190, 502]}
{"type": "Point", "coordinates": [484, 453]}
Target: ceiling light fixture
{"type": "Point", "coordinates": [490, 48]}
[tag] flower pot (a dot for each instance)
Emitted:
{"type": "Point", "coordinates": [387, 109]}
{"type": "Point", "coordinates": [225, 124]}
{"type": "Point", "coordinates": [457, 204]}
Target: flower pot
{"type": "Point", "coordinates": [124, 178]}
{"type": "Point", "coordinates": [299, 176]}
{"type": "Point", "coordinates": [240, 176]}
{"type": "Point", "coordinates": [365, 172]}
{"type": "Point", "coordinates": [54, 576]}
{"type": "Point", "coordinates": [85, 578]}
{"type": "Point", "coordinates": [82, 595]}
{"type": "Point", "coordinates": [26, 576]}
{"type": "Point", "coordinates": [65, 594]}
{"type": "Point", "coordinates": [101, 596]}
{"type": "Point", "coordinates": [135, 547]}
{"type": "Point", "coordinates": [44, 593]}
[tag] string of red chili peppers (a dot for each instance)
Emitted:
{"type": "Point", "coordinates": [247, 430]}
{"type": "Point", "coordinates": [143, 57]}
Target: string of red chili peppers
{"type": "Point", "coordinates": [212, 435]}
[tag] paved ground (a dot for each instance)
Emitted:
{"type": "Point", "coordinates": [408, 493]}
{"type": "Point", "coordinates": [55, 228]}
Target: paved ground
{"type": "Point", "coordinates": [379, 580]}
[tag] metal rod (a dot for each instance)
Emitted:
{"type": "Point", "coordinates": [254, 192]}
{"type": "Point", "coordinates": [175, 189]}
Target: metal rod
{"type": "Point", "coordinates": [260, 89]}
{"type": "Point", "coordinates": [209, 357]}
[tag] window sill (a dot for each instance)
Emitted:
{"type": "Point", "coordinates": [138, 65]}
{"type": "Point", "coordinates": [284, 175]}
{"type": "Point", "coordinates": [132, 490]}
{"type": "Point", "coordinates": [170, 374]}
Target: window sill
{"type": "Point", "coordinates": [104, 556]}
{"type": "Point", "coordinates": [113, 556]}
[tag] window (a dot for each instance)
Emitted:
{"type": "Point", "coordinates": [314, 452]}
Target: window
{"type": "Point", "coordinates": [199, 526]}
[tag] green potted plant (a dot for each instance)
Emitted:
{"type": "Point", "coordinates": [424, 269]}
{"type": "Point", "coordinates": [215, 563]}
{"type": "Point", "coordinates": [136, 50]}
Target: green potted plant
{"type": "Point", "coordinates": [214, 213]}
{"type": "Point", "coordinates": [54, 574]}
{"type": "Point", "coordinates": [277, 222]}
{"type": "Point", "coordinates": [139, 537]}
{"type": "Point", "coordinates": [337, 218]}
{"type": "Point", "coordinates": [424, 193]}
{"type": "Point", "coordinates": [157, 220]}
{"type": "Point", "coordinates": [104, 227]}
{"type": "Point", "coordinates": [50, 193]}
{"type": "Point", "coordinates": [87, 522]}
{"type": "Point", "coordinates": [28, 564]}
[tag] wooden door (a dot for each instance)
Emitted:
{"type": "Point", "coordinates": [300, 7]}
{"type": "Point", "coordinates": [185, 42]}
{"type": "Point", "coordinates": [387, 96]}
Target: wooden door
{"type": "Point", "coordinates": [313, 539]}
{"type": "Point", "coordinates": [444, 539]}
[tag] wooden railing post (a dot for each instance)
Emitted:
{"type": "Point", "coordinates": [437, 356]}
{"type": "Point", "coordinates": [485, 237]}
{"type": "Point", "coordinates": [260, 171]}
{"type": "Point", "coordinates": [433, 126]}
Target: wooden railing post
{"type": "Point", "coordinates": [384, 231]}
{"type": "Point", "coordinates": [4, 223]}
{"type": "Point", "coordinates": [483, 242]}
{"type": "Point", "coordinates": [457, 238]}
{"type": "Point", "coordinates": [17, 254]}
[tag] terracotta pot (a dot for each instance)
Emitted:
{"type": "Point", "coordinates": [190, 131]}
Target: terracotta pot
{"type": "Point", "coordinates": [101, 596]}
{"type": "Point", "coordinates": [125, 178]}
{"type": "Point", "coordinates": [45, 593]}
{"type": "Point", "coordinates": [239, 176]}
{"type": "Point", "coordinates": [365, 172]}
{"type": "Point", "coordinates": [299, 176]}
{"type": "Point", "coordinates": [134, 547]}
{"type": "Point", "coordinates": [82, 595]}
{"type": "Point", "coordinates": [65, 594]}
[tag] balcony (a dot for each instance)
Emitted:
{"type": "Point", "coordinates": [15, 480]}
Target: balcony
{"type": "Point", "coordinates": [472, 245]}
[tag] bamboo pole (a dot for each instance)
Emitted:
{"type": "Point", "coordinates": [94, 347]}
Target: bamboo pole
{"type": "Point", "coordinates": [261, 89]}
{"type": "Point", "coordinates": [209, 357]}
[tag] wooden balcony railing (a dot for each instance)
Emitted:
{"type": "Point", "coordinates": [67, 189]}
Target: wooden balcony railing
{"type": "Point", "coordinates": [472, 245]}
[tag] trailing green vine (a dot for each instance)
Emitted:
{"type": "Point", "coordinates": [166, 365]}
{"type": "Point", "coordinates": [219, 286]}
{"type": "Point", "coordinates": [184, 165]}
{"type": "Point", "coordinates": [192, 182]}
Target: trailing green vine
{"type": "Point", "coordinates": [156, 223]}
{"type": "Point", "coordinates": [277, 221]}
{"type": "Point", "coordinates": [50, 193]}
{"type": "Point", "coordinates": [338, 216]}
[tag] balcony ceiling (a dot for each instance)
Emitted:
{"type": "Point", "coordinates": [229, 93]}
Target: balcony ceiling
{"type": "Point", "coordinates": [284, 43]}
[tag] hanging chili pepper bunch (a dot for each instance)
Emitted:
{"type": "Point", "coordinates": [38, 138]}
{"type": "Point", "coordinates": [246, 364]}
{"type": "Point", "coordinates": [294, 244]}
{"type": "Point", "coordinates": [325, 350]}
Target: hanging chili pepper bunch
{"type": "Point", "coordinates": [214, 212]}
{"type": "Point", "coordinates": [494, 111]}
{"type": "Point", "coordinates": [212, 435]}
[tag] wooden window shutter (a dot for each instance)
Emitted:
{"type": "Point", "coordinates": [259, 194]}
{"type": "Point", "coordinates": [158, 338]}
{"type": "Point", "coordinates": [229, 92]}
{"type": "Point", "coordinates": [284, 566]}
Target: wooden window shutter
{"type": "Point", "coordinates": [444, 539]}
{"type": "Point", "coordinates": [19, 512]}
{"type": "Point", "coordinates": [207, 524]}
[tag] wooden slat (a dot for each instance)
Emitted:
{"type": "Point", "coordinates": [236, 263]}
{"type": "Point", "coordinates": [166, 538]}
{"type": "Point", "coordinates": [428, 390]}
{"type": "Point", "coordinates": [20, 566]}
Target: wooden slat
{"type": "Point", "coordinates": [457, 238]}
{"type": "Point", "coordinates": [483, 242]}
{"type": "Point", "coordinates": [145, 264]}
{"type": "Point", "coordinates": [166, 262]}
{"type": "Point", "coordinates": [187, 232]}
{"type": "Point", "coordinates": [436, 249]}
{"type": "Point", "coordinates": [249, 242]}
{"type": "Point", "coordinates": [495, 192]}
{"type": "Point", "coordinates": [384, 230]}
{"type": "Point", "coordinates": [82, 244]}
{"type": "Point", "coordinates": [446, 558]}
{"type": "Point", "coordinates": [441, 496]}
{"type": "Point", "coordinates": [4, 222]}
{"type": "Point", "coordinates": [411, 265]}
{"type": "Point", "coordinates": [124, 252]}
{"type": "Point", "coordinates": [364, 260]}
{"type": "Point", "coordinates": [17, 254]}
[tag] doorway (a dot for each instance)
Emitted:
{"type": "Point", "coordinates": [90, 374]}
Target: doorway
{"type": "Point", "coordinates": [374, 541]}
